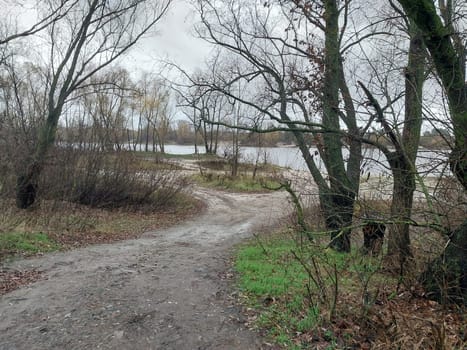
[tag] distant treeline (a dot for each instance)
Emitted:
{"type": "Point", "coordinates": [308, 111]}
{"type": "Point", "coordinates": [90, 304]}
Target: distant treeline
{"type": "Point", "coordinates": [183, 133]}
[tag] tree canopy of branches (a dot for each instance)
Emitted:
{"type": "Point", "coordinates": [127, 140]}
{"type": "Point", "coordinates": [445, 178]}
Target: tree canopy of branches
{"type": "Point", "coordinates": [292, 60]}
{"type": "Point", "coordinates": [294, 80]}
{"type": "Point", "coordinates": [46, 18]}
{"type": "Point", "coordinates": [85, 38]}
{"type": "Point", "coordinates": [153, 106]}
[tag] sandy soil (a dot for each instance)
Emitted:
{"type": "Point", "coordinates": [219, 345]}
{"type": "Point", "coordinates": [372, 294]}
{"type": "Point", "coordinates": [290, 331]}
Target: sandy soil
{"type": "Point", "coordinates": [166, 290]}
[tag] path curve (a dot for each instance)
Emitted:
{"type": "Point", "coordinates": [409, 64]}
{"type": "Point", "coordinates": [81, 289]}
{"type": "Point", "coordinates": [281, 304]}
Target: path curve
{"type": "Point", "coordinates": [161, 291]}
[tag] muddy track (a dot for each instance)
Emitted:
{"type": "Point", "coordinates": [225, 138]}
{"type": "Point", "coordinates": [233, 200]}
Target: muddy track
{"type": "Point", "coordinates": [162, 291]}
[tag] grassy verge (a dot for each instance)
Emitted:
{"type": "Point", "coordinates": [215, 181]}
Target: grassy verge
{"type": "Point", "coordinates": [166, 156]}
{"type": "Point", "coordinates": [221, 164]}
{"type": "Point", "coordinates": [26, 243]}
{"type": "Point", "coordinates": [54, 225]}
{"type": "Point", "coordinates": [241, 183]}
{"type": "Point", "coordinates": [215, 171]}
{"type": "Point", "coordinates": [273, 285]}
{"type": "Point", "coordinates": [303, 296]}
{"type": "Point", "coordinates": [277, 286]}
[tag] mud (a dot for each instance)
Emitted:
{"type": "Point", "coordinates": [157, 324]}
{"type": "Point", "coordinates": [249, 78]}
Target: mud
{"type": "Point", "coordinates": [165, 290]}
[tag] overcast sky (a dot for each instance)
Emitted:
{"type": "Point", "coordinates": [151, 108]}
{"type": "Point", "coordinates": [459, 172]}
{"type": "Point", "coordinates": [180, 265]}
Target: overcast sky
{"type": "Point", "coordinates": [174, 40]}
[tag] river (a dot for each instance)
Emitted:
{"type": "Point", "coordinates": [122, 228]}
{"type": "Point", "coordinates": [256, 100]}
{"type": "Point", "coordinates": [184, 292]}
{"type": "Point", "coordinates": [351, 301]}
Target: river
{"type": "Point", "coordinates": [429, 162]}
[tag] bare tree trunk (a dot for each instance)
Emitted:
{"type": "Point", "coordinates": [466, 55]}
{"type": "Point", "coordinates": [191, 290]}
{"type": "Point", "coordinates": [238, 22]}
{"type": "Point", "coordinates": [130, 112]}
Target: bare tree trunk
{"type": "Point", "coordinates": [27, 181]}
{"type": "Point", "coordinates": [205, 138]}
{"type": "Point", "coordinates": [146, 144]}
{"type": "Point", "coordinates": [403, 159]}
{"type": "Point", "coordinates": [154, 136]}
{"type": "Point", "coordinates": [216, 139]}
{"type": "Point", "coordinates": [336, 204]}
{"type": "Point", "coordinates": [128, 138]}
{"type": "Point", "coordinates": [235, 153]}
{"type": "Point", "coordinates": [401, 209]}
{"type": "Point", "coordinates": [449, 60]}
{"type": "Point", "coordinates": [26, 186]}
{"type": "Point", "coordinates": [338, 216]}
{"type": "Point", "coordinates": [338, 200]}
{"type": "Point", "coordinates": [450, 66]}
{"type": "Point", "coordinates": [161, 136]}
{"type": "Point", "coordinates": [211, 139]}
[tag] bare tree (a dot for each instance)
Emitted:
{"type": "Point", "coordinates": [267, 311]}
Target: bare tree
{"type": "Point", "coordinates": [190, 103]}
{"type": "Point", "coordinates": [23, 103]}
{"type": "Point", "coordinates": [448, 51]}
{"type": "Point", "coordinates": [403, 135]}
{"type": "Point", "coordinates": [153, 107]}
{"type": "Point", "coordinates": [292, 83]}
{"type": "Point", "coordinates": [213, 108]}
{"type": "Point", "coordinates": [106, 102]}
{"type": "Point", "coordinates": [203, 107]}
{"type": "Point", "coordinates": [91, 37]}
{"type": "Point", "coordinates": [47, 16]}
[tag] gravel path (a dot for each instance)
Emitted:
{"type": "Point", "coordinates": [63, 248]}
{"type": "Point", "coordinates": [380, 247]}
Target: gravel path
{"type": "Point", "coordinates": [165, 290]}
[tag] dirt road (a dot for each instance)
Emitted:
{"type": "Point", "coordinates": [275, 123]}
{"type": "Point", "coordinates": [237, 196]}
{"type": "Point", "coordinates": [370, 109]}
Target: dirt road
{"type": "Point", "coordinates": [162, 291]}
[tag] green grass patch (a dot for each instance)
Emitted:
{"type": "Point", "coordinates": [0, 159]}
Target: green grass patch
{"type": "Point", "coordinates": [241, 183]}
{"type": "Point", "coordinates": [25, 243]}
{"type": "Point", "coordinates": [273, 283]}
{"type": "Point", "coordinates": [63, 225]}
{"type": "Point", "coordinates": [162, 156]}
{"type": "Point", "coordinates": [222, 164]}
{"type": "Point", "coordinates": [286, 300]}
{"type": "Point", "coordinates": [265, 272]}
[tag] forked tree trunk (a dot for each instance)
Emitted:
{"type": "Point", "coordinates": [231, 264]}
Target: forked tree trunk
{"type": "Point", "coordinates": [402, 161]}
{"type": "Point", "coordinates": [449, 61]}
{"type": "Point", "coordinates": [337, 201]}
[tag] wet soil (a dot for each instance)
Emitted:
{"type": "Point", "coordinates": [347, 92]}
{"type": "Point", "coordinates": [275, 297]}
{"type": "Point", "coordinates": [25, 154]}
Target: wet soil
{"type": "Point", "coordinates": [165, 290]}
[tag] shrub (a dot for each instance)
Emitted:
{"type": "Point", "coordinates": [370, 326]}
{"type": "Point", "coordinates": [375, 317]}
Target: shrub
{"type": "Point", "coordinates": [107, 180]}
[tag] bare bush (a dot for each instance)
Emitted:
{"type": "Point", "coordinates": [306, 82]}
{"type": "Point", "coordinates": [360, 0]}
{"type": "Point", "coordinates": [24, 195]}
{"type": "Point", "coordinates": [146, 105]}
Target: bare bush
{"type": "Point", "coordinates": [108, 180]}
{"type": "Point", "coordinates": [77, 169]}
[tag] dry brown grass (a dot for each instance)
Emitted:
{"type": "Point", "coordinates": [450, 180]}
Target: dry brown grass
{"type": "Point", "coordinates": [399, 316]}
{"type": "Point", "coordinates": [73, 225]}
{"type": "Point", "coordinates": [400, 319]}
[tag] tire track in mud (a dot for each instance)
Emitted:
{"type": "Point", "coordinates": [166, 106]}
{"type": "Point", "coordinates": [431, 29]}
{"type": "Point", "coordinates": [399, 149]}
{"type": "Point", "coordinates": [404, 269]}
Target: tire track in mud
{"type": "Point", "coordinates": [162, 291]}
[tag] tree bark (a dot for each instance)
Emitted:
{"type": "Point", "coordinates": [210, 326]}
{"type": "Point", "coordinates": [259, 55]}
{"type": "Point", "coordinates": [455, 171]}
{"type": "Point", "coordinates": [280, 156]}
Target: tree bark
{"type": "Point", "coordinates": [450, 67]}
{"type": "Point", "coordinates": [26, 187]}
{"type": "Point", "coordinates": [337, 203]}
{"type": "Point", "coordinates": [402, 161]}
{"type": "Point", "coordinates": [401, 210]}
{"type": "Point", "coordinates": [338, 216]}
{"type": "Point", "coordinates": [445, 279]}
{"type": "Point", "coordinates": [146, 143]}
{"type": "Point", "coordinates": [27, 181]}
{"type": "Point", "coordinates": [337, 207]}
